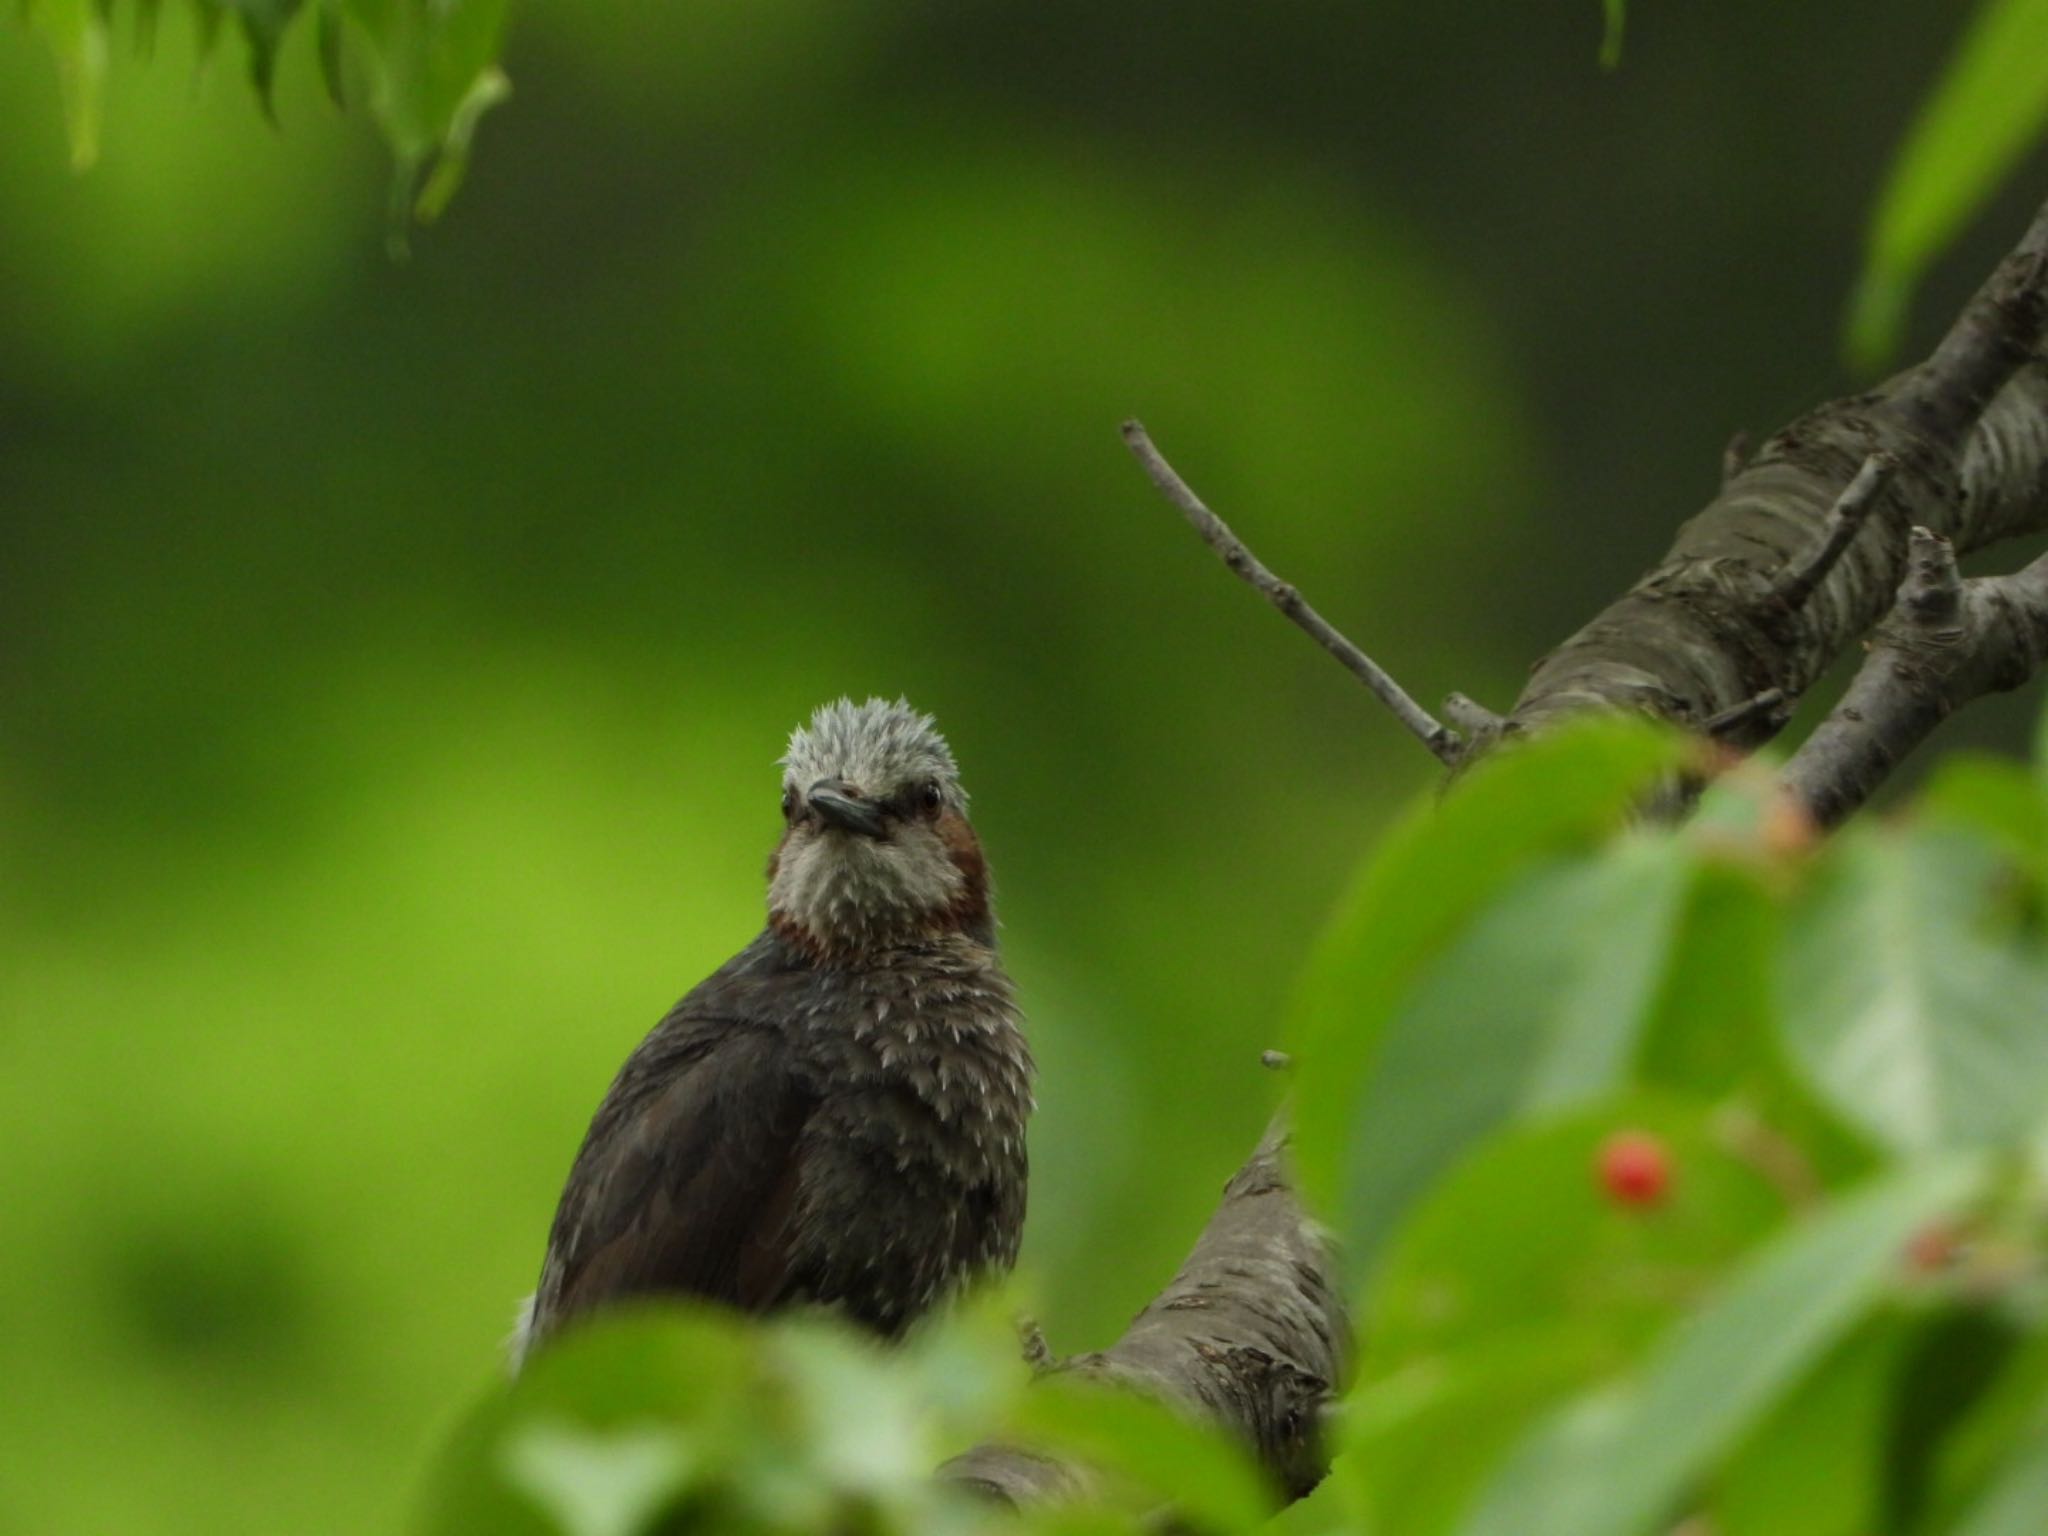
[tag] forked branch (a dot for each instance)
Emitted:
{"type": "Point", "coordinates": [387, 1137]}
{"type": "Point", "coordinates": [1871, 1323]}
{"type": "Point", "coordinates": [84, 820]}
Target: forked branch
{"type": "Point", "coordinates": [1947, 641]}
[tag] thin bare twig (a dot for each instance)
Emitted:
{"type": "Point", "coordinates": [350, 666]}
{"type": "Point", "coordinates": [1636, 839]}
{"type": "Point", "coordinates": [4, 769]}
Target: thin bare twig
{"type": "Point", "coordinates": [1424, 727]}
{"type": "Point", "coordinates": [1758, 707]}
{"type": "Point", "coordinates": [1845, 518]}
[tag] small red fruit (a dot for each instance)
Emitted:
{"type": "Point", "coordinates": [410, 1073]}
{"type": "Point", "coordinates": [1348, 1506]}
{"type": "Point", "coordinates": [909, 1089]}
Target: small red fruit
{"type": "Point", "coordinates": [1634, 1168]}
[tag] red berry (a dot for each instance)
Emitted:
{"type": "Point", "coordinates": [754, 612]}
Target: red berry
{"type": "Point", "coordinates": [1634, 1168]}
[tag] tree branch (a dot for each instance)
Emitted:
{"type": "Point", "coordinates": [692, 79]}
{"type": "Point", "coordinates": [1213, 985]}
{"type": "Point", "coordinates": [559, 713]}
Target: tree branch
{"type": "Point", "coordinates": [1947, 641]}
{"type": "Point", "coordinates": [1844, 520]}
{"type": "Point", "coordinates": [1217, 535]}
{"type": "Point", "coordinates": [1251, 1334]}
{"type": "Point", "coordinates": [1708, 628]}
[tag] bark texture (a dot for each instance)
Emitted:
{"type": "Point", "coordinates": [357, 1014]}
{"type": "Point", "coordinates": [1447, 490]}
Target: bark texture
{"type": "Point", "coordinates": [1251, 1333]}
{"type": "Point", "coordinates": [1947, 641]}
{"type": "Point", "coordinates": [1710, 626]}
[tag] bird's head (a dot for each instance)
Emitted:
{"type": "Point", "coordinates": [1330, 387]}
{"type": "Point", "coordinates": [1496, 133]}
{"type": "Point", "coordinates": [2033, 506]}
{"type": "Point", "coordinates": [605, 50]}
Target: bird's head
{"type": "Point", "coordinates": [877, 849]}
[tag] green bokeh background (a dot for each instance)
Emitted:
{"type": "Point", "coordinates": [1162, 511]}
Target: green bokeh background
{"type": "Point", "coordinates": [393, 657]}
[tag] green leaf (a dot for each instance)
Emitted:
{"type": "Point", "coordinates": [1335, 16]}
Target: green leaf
{"type": "Point", "coordinates": [488, 89]}
{"type": "Point", "coordinates": [1989, 104]}
{"type": "Point", "coordinates": [1421, 1442]}
{"type": "Point", "coordinates": [2013, 1504]}
{"type": "Point", "coordinates": [1334, 1507]}
{"type": "Point", "coordinates": [1812, 1467]}
{"type": "Point", "coordinates": [76, 32]}
{"type": "Point", "coordinates": [598, 1482]}
{"type": "Point", "coordinates": [1523, 1236]}
{"type": "Point", "coordinates": [1150, 1453]}
{"type": "Point", "coordinates": [264, 24]}
{"type": "Point", "coordinates": [1993, 797]}
{"type": "Point", "coordinates": [1437, 868]}
{"type": "Point", "coordinates": [635, 1374]}
{"type": "Point", "coordinates": [430, 68]}
{"type": "Point", "coordinates": [1536, 1005]}
{"type": "Point", "coordinates": [333, 73]}
{"type": "Point", "coordinates": [1714, 1032]}
{"type": "Point", "coordinates": [1912, 1020]}
{"type": "Point", "coordinates": [1953, 1474]}
{"type": "Point", "coordinates": [1615, 12]}
{"type": "Point", "coordinates": [1618, 1460]}
{"type": "Point", "coordinates": [1955, 1380]}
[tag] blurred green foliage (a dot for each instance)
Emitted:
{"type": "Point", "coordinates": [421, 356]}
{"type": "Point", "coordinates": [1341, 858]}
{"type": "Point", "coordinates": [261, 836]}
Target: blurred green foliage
{"type": "Point", "coordinates": [1988, 106]}
{"type": "Point", "coordinates": [430, 70]}
{"type": "Point", "coordinates": [427, 67]}
{"type": "Point", "coordinates": [389, 657]}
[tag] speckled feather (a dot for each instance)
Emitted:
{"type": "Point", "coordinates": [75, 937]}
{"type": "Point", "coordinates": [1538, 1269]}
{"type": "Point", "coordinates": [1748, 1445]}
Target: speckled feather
{"type": "Point", "coordinates": [837, 1115]}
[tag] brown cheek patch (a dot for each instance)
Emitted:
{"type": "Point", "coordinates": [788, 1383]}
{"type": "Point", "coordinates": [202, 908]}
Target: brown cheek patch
{"type": "Point", "coordinates": [797, 936]}
{"type": "Point", "coordinates": [964, 849]}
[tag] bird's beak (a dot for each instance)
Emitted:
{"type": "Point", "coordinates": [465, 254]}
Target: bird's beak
{"type": "Point", "coordinates": [840, 805]}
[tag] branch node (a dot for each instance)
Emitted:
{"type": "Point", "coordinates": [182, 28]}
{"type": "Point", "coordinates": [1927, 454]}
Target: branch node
{"type": "Point", "coordinates": [1471, 716]}
{"type": "Point", "coordinates": [1844, 520]}
{"type": "Point", "coordinates": [1770, 705]}
{"type": "Point", "coordinates": [1735, 457]}
{"type": "Point", "coordinates": [1037, 1352]}
{"type": "Point", "coordinates": [1440, 740]}
{"type": "Point", "coordinates": [1933, 588]}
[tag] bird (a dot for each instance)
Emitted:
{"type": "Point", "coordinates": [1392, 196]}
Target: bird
{"type": "Point", "coordinates": [836, 1116]}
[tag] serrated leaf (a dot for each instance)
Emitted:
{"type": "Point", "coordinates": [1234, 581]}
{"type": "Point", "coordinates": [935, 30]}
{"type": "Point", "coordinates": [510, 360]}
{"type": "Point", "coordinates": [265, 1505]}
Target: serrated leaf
{"type": "Point", "coordinates": [1911, 1020]}
{"type": "Point", "coordinates": [1616, 1462]}
{"type": "Point", "coordinates": [1989, 104]}
{"type": "Point", "coordinates": [1436, 868]}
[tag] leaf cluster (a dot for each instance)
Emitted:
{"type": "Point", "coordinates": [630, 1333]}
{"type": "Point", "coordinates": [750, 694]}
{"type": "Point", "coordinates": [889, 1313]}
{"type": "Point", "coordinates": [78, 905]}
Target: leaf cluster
{"type": "Point", "coordinates": [426, 69]}
{"type": "Point", "coordinates": [1830, 1321]}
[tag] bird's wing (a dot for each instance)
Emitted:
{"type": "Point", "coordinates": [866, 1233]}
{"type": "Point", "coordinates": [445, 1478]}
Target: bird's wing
{"type": "Point", "coordinates": [687, 1180]}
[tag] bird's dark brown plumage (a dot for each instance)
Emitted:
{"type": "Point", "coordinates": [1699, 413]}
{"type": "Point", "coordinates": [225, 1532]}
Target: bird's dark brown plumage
{"type": "Point", "coordinates": [836, 1116]}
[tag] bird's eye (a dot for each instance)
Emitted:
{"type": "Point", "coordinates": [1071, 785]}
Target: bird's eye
{"type": "Point", "coordinates": [928, 795]}
{"type": "Point", "coordinates": [788, 801]}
